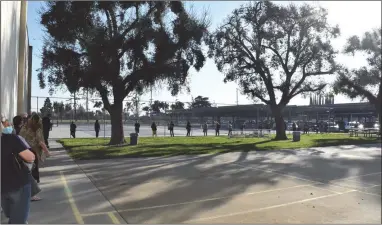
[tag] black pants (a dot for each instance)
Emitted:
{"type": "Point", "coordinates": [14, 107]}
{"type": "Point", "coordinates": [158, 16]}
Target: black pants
{"type": "Point", "coordinates": [73, 134]}
{"type": "Point", "coordinates": [217, 132]}
{"type": "Point", "coordinates": [188, 132]}
{"type": "Point", "coordinates": [172, 132]}
{"type": "Point", "coordinates": [46, 137]}
{"type": "Point", "coordinates": [35, 170]}
{"type": "Point", "coordinates": [97, 133]}
{"type": "Point", "coordinates": [229, 132]}
{"type": "Point", "coordinates": [137, 130]}
{"type": "Point", "coordinates": [205, 132]}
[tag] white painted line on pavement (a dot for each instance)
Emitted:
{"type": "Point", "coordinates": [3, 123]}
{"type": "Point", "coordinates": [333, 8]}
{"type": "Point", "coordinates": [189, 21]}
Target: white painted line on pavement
{"type": "Point", "coordinates": [201, 200]}
{"type": "Point", "coordinates": [352, 177]}
{"type": "Point", "coordinates": [298, 178]}
{"type": "Point", "coordinates": [265, 208]}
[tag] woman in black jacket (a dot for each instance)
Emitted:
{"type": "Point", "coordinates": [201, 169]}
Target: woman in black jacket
{"type": "Point", "coordinates": [15, 176]}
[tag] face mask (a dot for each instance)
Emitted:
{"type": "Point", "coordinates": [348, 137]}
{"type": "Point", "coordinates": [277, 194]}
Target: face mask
{"type": "Point", "coordinates": [8, 130]}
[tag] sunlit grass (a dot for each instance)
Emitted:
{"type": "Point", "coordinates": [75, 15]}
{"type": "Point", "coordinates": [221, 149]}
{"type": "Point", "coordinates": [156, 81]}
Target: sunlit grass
{"type": "Point", "coordinates": [97, 148]}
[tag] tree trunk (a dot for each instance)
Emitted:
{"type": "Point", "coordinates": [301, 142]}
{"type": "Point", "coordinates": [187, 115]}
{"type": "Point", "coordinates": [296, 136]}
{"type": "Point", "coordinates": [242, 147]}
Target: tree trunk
{"type": "Point", "coordinates": [117, 134]}
{"type": "Point", "coordinates": [280, 123]}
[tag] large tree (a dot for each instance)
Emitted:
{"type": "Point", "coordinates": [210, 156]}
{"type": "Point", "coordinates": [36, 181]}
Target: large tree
{"type": "Point", "coordinates": [158, 106]}
{"type": "Point", "coordinates": [275, 52]}
{"type": "Point", "coordinates": [364, 82]}
{"type": "Point", "coordinates": [47, 107]}
{"type": "Point", "coordinates": [117, 47]}
{"type": "Point", "coordinates": [200, 102]}
{"type": "Point", "coordinates": [177, 105]}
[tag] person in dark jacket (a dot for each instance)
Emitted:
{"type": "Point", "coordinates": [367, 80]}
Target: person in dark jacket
{"type": "Point", "coordinates": [154, 129]}
{"type": "Point", "coordinates": [217, 129]}
{"type": "Point", "coordinates": [137, 125]}
{"type": "Point", "coordinates": [205, 128]}
{"type": "Point", "coordinates": [73, 128]}
{"type": "Point", "coordinates": [97, 127]}
{"type": "Point", "coordinates": [188, 128]}
{"type": "Point", "coordinates": [294, 127]}
{"type": "Point", "coordinates": [242, 128]}
{"type": "Point", "coordinates": [15, 176]}
{"type": "Point", "coordinates": [229, 129]}
{"type": "Point", "coordinates": [46, 125]}
{"type": "Point", "coordinates": [171, 129]}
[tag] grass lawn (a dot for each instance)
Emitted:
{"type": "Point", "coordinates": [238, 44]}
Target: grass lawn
{"type": "Point", "coordinates": [92, 148]}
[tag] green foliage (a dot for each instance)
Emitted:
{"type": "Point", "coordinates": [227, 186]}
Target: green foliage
{"type": "Point", "coordinates": [47, 107]}
{"type": "Point", "coordinates": [159, 106]}
{"type": "Point", "coordinates": [200, 102]}
{"type": "Point", "coordinates": [96, 148]}
{"type": "Point", "coordinates": [177, 105]}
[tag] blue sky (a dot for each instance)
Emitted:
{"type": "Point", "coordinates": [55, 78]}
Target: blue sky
{"type": "Point", "coordinates": [353, 17]}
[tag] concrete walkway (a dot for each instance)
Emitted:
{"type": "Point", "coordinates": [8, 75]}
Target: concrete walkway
{"type": "Point", "coordinates": [68, 193]}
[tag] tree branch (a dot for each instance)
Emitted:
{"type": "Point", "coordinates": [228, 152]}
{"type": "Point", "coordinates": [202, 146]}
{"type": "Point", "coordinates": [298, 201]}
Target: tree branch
{"type": "Point", "coordinates": [279, 57]}
{"type": "Point", "coordinates": [308, 89]}
{"type": "Point", "coordinates": [103, 92]}
{"type": "Point", "coordinates": [109, 24]}
{"type": "Point", "coordinates": [359, 89]}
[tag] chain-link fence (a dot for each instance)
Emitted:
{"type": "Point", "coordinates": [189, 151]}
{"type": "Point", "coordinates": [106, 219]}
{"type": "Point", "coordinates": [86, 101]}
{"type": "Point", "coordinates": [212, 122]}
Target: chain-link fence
{"type": "Point", "coordinates": [85, 111]}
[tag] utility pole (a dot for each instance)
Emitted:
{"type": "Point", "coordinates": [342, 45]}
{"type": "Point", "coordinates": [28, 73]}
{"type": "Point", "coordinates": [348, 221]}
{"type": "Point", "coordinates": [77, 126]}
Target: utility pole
{"type": "Point", "coordinates": [151, 99]}
{"type": "Point", "coordinates": [75, 109]}
{"type": "Point", "coordinates": [87, 104]}
{"type": "Point", "coordinates": [237, 96]}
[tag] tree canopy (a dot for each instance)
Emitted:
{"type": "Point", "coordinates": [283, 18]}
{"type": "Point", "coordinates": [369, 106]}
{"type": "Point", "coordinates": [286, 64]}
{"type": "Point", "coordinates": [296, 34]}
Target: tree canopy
{"type": "Point", "coordinates": [364, 82]}
{"type": "Point", "coordinates": [117, 47]}
{"type": "Point", "coordinates": [158, 106]}
{"type": "Point", "coordinates": [200, 102]}
{"type": "Point", "coordinates": [47, 107]}
{"type": "Point", "coordinates": [275, 52]}
{"type": "Point", "coordinates": [177, 105]}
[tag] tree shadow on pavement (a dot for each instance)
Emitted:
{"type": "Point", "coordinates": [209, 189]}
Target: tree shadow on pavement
{"type": "Point", "coordinates": [166, 181]}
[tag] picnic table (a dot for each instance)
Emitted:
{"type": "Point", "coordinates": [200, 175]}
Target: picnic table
{"type": "Point", "coordinates": [368, 132]}
{"type": "Point", "coordinates": [354, 132]}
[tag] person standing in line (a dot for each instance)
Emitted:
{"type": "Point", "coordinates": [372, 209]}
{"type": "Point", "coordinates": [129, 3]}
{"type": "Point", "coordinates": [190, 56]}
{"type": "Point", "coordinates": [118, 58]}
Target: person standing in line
{"type": "Point", "coordinates": [15, 176]}
{"type": "Point", "coordinates": [205, 129]}
{"type": "Point", "coordinates": [294, 126]}
{"type": "Point", "coordinates": [242, 128]}
{"type": "Point", "coordinates": [73, 128]}
{"type": "Point", "coordinates": [217, 129]}
{"type": "Point", "coordinates": [188, 128]}
{"type": "Point", "coordinates": [18, 123]}
{"type": "Point", "coordinates": [154, 129]}
{"type": "Point", "coordinates": [46, 127]}
{"type": "Point", "coordinates": [97, 127]}
{"type": "Point", "coordinates": [33, 134]}
{"type": "Point", "coordinates": [229, 129]}
{"type": "Point", "coordinates": [137, 125]}
{"type": "Point", "coordinates": [171, 128]}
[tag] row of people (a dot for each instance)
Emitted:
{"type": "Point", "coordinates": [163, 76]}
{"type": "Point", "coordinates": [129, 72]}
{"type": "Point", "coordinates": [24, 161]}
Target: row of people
{"type": "Point", "coordinates": [171, 126]}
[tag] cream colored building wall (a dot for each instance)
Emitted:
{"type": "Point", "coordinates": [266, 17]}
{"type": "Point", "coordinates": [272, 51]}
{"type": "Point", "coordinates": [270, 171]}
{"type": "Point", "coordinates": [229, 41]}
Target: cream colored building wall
{"type": "Point", "coordinates": [10, 59]}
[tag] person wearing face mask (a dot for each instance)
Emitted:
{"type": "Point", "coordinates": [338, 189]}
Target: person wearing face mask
{"type": "Point", "coordinates": [15, 176]}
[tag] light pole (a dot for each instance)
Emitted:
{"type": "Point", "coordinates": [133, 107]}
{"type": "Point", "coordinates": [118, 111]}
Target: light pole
{"type": "Point", "coordinates": [104, 124]}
